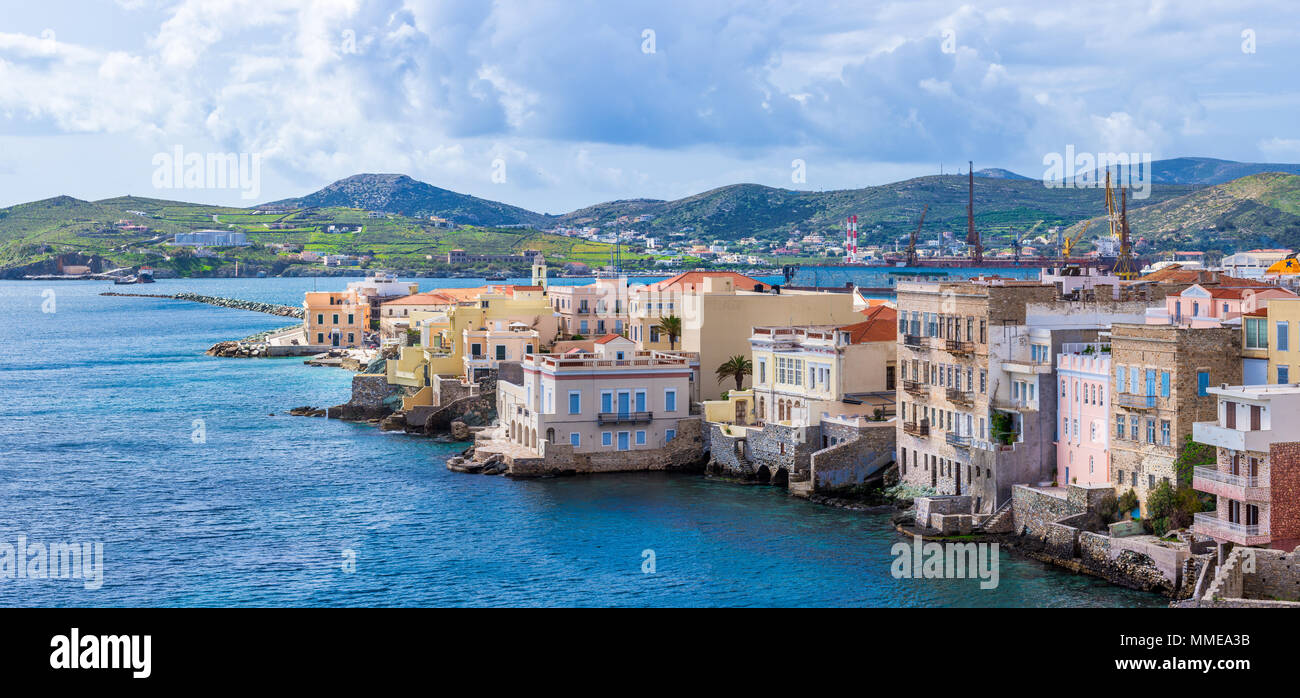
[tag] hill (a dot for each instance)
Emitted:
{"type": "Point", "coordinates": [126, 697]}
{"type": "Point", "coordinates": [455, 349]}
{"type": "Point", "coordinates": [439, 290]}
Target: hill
{"type": "Point", "coordinates": [396, 193]}
{"type": "Point", "coordinates": [1261, 210]}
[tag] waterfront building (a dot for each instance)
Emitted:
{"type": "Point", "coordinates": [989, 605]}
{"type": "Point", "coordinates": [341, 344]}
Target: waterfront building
{"type": "Point", "coordinates": [804, 373]}
{"type": "Point", "coordinates": [1083, 408]}
{"type": "Point", "coordinates": [616, 408]}
{"type": "Point", "coordinates": [442, 348]}
{"type": "Point", "coordinates": [1071, 280]}
{"type": "Point", "coordinates": [335, 318]}
{"type": "Point", "coordinates": [594, 309]}
{"type": "Point", "coordinates": [395, 315]}
{"type": "Point", "coordinates": [718, 317]}
{"type": "Point", "coordinates": [1256, 476]}
{"type": "Point", "coordinates": [977, 391]}
{"type": "Point", "coordinates": [459, 258]}
{"type": "Point", "coordinates": [487, 348]}
{"type": "Point", "coordinates": [1161, 378]}
{"type": "Point", "coordinates": [1252, 264]}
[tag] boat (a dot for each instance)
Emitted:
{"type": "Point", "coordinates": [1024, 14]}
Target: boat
{"type": "Point", "coordinates": [144, 276]}
{"type": "Point", "coordinates": [125, 280]}
{"type": "Point", "coordinates": [495, 277]}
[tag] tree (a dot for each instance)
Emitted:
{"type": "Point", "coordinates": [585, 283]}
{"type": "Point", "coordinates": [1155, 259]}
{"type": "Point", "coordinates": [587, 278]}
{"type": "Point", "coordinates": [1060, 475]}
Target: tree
{"type": "Point", "coordinates": [671, 326]}
{"type": "Point", "coordinates": [1191, 454]}
{"type": "Point", "coordinates": [737, 367]}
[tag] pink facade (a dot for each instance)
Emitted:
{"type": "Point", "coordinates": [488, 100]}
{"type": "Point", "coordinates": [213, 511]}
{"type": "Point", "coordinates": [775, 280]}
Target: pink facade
{"type": "Point", "coordinates": [1198, 306]}
{"type": "Point", "coordinates": [1083, 415]}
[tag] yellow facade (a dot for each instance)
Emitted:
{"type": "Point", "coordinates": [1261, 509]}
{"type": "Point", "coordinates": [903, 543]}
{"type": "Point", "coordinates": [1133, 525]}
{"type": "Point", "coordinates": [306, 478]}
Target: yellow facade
{"type": "Point", "coordinates": [1283, 352]}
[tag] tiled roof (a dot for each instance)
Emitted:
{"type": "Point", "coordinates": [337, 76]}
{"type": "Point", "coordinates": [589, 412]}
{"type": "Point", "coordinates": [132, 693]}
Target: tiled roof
{"type": "Point", "coordinates": [427, 298]}
{"type": "Point", "coordinates": [609, 338]}
{"type": "Point", "coordinates": [881, 325]}
{"type": "Point", "coordinates": [692, 280]}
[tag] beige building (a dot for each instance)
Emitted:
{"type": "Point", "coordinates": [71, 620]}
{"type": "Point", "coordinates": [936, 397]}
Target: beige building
{"type": "Point", "coordinates": [802, 374]}
{"type": "Point", "coordinates": [335, 318]}
{"type": "Point", "coordinates": [718, 319]}
{"type": "Point", "coordinates": [1162, 377]}
{"type": "Point", "coordinates": [594, 309]}
{"type": "Point", "coordinates": [616, 399]}
{"type": "Point", "coordinates": [486, 349]}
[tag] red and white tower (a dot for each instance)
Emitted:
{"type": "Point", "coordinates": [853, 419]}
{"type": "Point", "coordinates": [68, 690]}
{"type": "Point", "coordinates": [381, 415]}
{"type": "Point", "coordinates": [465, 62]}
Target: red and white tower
{"type": "Point", "coordinates": [851, 239]}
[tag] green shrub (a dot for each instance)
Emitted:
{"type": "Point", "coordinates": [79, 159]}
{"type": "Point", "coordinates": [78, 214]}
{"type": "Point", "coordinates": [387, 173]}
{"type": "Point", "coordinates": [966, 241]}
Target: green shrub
{"type": "Point", "coordinates": [1128, 502]}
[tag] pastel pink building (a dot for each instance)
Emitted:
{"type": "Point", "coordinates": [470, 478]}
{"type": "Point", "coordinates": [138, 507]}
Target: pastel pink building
{"type": "Point", "coordinates": [1083, 414]}
{"type": "Point", "coordinates": [1200, 306]}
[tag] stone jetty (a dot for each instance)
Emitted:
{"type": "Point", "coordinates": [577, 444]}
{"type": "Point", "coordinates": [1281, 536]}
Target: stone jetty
{"type": "Point", "coordinates": [237, 304]}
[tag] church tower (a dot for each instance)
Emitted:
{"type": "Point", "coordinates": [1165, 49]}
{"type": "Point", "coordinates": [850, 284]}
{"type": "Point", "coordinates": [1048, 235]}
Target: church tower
{"type": "Point", "coordinates": [539, 272]}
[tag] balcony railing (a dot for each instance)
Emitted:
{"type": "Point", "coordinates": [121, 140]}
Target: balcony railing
{"type": "Point", "coordinates": [915, 341]}
{"type": "Point", "coordinates": [1209, 523]}
{"type": "Point", "coordinates": [624, 417]}
{"type": "Point", "coordinates": [1136, 402]}
{"type": "Point", "coordinates": [965, 397]}
{"type": "Point", "coordinates": [957, 346]}
{"type": "Point", "coordinates": [1213, 475]}
{"type": "Point", "coordinates": [916, 388]}
{"type": "Point", "coordinates": [957, 440]}
{"type": "Point", "coordinates": [916, 429]}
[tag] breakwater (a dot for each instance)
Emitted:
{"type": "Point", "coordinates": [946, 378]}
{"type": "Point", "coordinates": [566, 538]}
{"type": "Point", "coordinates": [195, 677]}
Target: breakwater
{"type": "Point", "coordinates": [237, 304]}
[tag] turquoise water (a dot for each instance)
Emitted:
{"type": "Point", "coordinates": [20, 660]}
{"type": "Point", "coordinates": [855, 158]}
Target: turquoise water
{"type": "Point", "coordinates": [97, 436]}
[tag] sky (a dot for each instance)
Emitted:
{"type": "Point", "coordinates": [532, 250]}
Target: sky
{"type": "Point", "coordinates": [553, 106]}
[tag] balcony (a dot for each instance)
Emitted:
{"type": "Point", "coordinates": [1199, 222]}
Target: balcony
{"type": "Point", "coordinates": [604, 418]}
{"type": "Point", "coordinates": [957, 440]}
{"type": "Point", "coordinates": [1136, 402]}
{"type": "Point", "coordinates": [956, 346]}
{"type": "Point", "coordinates": [964, 397]}
{"type": "Point", "coordinates": [1234, 439]}
{"type": "Point", "coordinates": [915, 341]}
{"type": "Point", "coordinates": [1209, 524]}
{"type": "Point", "coordinates": [917, 388]}
{"type": "Point", "coordinates": [1242, 488]}
{"type": "Point", "coordinates": [916, 429]}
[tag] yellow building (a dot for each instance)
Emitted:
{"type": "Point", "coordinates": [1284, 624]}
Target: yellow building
{"type": "Point", "coordinates": [718, 318]}
{"type": "Point", "coordinates": [1278, 326]}
{"type": "Point", "coordinates": [443, 350]}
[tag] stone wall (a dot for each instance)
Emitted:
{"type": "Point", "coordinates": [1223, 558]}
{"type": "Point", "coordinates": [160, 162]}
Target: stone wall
{"type": "Point", "coordinates": [775, 447]}
{"type": "Point", "coordinates": [1034, 510]}
{"type": "Point", "coordinates": [858, 452]}
{"type": "Point", "coordinates": [682, 453]}
{"type": "Point", "coordinates": [1255, 578]}
{"type": "Point", "coordinates": [727, 452]}
{"type": "Point", "coordinates": [1284, 487]}
{"type": "Point", "coordinates": [372, 398]}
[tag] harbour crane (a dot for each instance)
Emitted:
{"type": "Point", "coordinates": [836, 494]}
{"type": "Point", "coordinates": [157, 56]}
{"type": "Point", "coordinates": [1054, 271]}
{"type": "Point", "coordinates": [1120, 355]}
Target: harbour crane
{"type": "Point", "coordinates": [1017, 240]}
{"type": "Point", "coordinates": [911, 242]}
{"type": "Point", "coordinates": [1069, 241]}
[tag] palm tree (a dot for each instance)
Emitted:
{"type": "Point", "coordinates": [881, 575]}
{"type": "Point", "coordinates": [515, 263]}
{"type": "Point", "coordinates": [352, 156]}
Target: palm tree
{"type": "Point", "coordinates": [736, 367]}
{"type": "Point", "coordinates": [671, 326]}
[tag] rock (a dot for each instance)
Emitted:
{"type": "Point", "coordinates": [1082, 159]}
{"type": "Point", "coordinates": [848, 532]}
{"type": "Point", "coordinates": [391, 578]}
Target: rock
{"type": "Point", "coordinates": [460, 431]}
{"type": "Point", "coordinates": [307, 411]}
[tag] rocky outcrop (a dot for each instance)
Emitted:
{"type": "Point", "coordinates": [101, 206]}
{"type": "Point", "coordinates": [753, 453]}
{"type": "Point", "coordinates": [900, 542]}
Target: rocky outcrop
{"type": "Point", "coordinates": [307, 411]}
{"type": "Point", "coordinates": [373, 398]}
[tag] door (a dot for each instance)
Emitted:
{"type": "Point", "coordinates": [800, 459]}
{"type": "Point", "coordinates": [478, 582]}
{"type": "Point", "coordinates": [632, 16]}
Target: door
{"type": "Point", "coordinates": [334, 338]}
{"type": "Point", "coordinates": [624, 404]}
{"type": "Point", "coordinates": [1151, 388]}
{"type": "Point", "coordinates": [623, 441]}
{"type": "Point", "coordinates": [957, 473]}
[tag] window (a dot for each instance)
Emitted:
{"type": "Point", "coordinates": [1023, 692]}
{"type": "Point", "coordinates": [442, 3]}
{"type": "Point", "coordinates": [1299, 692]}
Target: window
{"type": "Point", "coordinates": [1256, 331]}
{"type": "Point", "coordinates": [575, 402]}
{"type": "Point", "coordinates": [320, 318]}
{"type": "Point", "coordinates": [336, 319]}
{"type": "Point", "coordinates": [1283, 338]}
{"type": "Point", "coordinates": [350, 318]}
{"type": "Point", "coordinates": [1202, 382]}
{"type": "Point", "coordinates": [1164, 432]}
{"type": "Point", "coordinates": [1119, 426]}
{"type": "Point", "coordinates": [1133, 429]}
{"type": "Point", "coordinates": [476, 350]}
{"type": "Point", "coordinates": [640, 401]}
{"type": "Point", "coordinates": [351, 339]}
{"type": "Point", "coordinates": [606, 438]}
{"type": "Point", "coordinates": [606, 402]}
{"type": "Point", "coordinates": [670, 400]}
{"type": "Point", "coordinates": [640, 438]}
{"type": "Point", "coordinates": [1121, 377]}
{"type": "Point", "coordinates": [1164, 384]}
{"type": "Point", "coordinates": [670, 434]}
{"type": "Point", "coordinates": [762, 370]}
{"type": "Point", "coordinates": [501, 352]}
{"type": "Point", "coordinates": [1283, 374]}
{"type": "Point", "coordinates": [575, 439]}
{"type": "Point", "coordinates": [1151, 431]}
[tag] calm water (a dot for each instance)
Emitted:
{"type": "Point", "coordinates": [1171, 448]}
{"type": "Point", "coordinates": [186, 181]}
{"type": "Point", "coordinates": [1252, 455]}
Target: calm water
{"type": "Point", "coordinates": [97, 419]}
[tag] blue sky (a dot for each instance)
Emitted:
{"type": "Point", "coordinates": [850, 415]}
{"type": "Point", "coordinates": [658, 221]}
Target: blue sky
{"type": "Point", "coordinates": [585, 101]}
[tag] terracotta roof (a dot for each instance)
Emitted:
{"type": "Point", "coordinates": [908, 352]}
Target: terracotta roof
{"type": "Point", "coordinates": [464, 294]}
{"type": "Point", "coordinates": [426, 298]}
{"type": "Point", "coordinates": [692, 280]}
{"type": "Point", "coordinates": [881, 325]}
{"type": "Point", "coordinates": [609, 338]}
